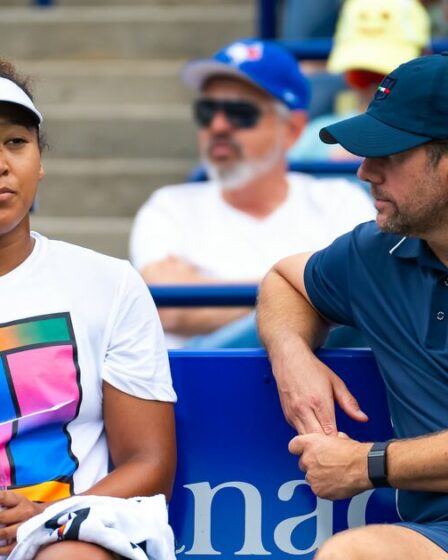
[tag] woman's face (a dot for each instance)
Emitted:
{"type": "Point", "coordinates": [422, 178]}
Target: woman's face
{"type": "Point", "coordinates": [20, 169]}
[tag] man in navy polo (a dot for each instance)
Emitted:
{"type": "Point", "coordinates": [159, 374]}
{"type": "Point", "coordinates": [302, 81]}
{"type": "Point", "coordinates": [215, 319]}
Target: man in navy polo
{"type": "Point", "coordinates": [389, 279]}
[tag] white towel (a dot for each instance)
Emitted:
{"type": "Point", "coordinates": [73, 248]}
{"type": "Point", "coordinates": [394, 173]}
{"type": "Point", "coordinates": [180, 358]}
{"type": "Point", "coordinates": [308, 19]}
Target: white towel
{"type": "Point", "coordinates": [116, 524]}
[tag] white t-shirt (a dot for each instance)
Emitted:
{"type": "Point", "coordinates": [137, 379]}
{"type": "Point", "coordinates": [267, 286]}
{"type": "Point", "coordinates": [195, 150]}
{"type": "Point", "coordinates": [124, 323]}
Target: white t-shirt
{"type": "Point", "coordinates": [193, 222]}
{"type": "Point", "coordinates": [69, 319]}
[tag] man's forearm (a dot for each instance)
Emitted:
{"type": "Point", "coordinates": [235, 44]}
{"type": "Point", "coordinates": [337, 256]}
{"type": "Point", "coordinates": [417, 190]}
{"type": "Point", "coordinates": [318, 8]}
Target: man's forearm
{"type": "Point", "coordinates": [291, 329]}
{"type": "Point", "coordinates": [419, 463]}
{"type": "Point", "coordinates": [190, 321]}
{"type": "Point", "coordinates": [283, 313]}
{"type": "Point", "coordinates": [337, 467]}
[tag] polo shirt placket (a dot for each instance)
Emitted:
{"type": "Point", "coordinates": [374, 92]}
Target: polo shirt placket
{"type": "Point", "coordinates": [437, 322]}
{"type": "Point", "coordinates": [436, 335]}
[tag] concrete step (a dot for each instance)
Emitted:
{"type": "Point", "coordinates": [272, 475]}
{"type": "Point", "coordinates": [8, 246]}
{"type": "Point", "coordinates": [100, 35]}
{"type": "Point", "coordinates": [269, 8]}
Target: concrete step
{"type": "Point", "coordinates": [107, 235]}
{"type": "Point", "coordinates": [96, 82]}
{"type": "Point", "coordinates": [122, 31]}
{"type": "Point", "coordinates": [127, 131]}
{"type": "Point", "coordinates": [105, 187]}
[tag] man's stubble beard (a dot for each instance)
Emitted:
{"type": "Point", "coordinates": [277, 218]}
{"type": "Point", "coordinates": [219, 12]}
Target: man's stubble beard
{"type": "Point", "coordinates": [430, 215]}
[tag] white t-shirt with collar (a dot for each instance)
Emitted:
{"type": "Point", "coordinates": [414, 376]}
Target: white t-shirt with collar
{"type": "Point", "coordinates": [70, 319]}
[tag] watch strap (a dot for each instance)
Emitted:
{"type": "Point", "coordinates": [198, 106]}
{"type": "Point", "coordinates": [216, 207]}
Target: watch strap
{"type": "Point", "coordinates": [377, 464]}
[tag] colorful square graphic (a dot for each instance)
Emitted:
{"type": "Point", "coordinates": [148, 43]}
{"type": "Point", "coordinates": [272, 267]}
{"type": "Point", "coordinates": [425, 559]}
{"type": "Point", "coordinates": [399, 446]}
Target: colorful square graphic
{"type": "Point", "coordinates": [39, 396]}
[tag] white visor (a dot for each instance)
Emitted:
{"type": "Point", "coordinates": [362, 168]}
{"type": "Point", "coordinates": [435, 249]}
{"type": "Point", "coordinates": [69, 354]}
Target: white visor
{"type": "Point", "coordinates": [12, 93]}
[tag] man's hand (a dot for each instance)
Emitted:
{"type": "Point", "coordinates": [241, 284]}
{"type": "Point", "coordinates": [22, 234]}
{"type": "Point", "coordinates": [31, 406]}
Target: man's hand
{"type": "Point", "coordinates": [308, 389]}
{"type": "Point", "coordinates": [189, 321]}
{"type": "Point", "coordinates": [291, 330]}
{"type": "Point", "coordinates": [17, 510]}
{"type": "Point", "coordinates": [335, 466]}
{"type": "Point", "coordinates": [172, 270]}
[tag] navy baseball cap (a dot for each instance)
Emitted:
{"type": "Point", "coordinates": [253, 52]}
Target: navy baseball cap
{"type": "Point", "coordinates": [266, 65]}
{"type": "Point", "coordinates": [409, 108]}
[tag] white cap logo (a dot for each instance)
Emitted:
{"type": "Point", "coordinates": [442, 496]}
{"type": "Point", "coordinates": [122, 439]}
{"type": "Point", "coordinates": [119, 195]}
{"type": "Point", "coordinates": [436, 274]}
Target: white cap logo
{"type": "Point", "coordinates": [240, 52]}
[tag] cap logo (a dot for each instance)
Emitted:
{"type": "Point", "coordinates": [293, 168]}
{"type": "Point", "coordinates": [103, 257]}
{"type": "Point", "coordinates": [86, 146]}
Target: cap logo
{"type": "Point", "coordinates": [240, 52]}
{"type": "Point", "coordinates": [385, 88]}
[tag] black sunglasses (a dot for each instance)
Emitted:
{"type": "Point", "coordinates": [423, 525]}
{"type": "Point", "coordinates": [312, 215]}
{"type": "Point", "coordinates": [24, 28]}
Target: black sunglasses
{"type": "Point", "coordinates": [241, 114]}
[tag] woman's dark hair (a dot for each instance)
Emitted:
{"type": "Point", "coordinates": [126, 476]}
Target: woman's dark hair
{"type": "Point", "coordinates": [8, 71]}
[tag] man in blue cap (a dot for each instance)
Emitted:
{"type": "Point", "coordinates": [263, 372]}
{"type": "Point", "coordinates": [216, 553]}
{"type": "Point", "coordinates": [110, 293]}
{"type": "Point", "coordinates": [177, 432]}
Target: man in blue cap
{"type": "Point", "coordinates": [390, 279]}
{"type": "Point", "coordinates": [251, 106]}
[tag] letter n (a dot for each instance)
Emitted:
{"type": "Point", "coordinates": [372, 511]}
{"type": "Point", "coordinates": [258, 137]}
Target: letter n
{"type": "Point", "coordinates": [203, 499]}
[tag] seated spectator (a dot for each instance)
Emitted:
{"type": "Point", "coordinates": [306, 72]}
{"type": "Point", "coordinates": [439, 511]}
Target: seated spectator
{"type": "Point", "coordinates": [250, 108]}
{"type": "Point", "coordinates": [372, 38]}
{"type": "Point", "coordinates": [84, 376]}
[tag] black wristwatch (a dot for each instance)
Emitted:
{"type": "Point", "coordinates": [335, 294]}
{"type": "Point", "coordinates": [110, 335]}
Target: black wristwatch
{"type": "Point", "coordinates": [377, 464]}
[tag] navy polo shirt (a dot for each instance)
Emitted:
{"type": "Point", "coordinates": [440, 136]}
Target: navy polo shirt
{"type": "Point", "coordinates": [395, 291]}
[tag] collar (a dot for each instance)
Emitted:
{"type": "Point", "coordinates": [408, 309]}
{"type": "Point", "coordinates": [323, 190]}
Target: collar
{"type": "Point", "coordinates": [414, 248]}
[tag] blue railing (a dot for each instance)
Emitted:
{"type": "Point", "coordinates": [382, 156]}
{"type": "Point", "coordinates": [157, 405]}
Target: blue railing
{"type": "Point", "coordinates": [311, 167]}
{"type": "Point", "coordinates": [214, 295]}
{"type": "Point", "coordinates": [319, 49]}
{"type": "Point", "coordinates": [326, 167]}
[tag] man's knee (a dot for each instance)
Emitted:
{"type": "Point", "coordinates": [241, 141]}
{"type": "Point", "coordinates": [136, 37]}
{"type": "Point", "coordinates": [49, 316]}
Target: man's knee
{"type": "Point", "coordinates": [379, 542]}
{"type": "Point", "coordinates": [341, 546]}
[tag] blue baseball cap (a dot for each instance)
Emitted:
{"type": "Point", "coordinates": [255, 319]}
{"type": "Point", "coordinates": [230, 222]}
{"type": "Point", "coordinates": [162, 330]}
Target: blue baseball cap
{"type": "Point", "coordinates": [264, 64]}
{"type": "Point", "coordinates": [409, 108]}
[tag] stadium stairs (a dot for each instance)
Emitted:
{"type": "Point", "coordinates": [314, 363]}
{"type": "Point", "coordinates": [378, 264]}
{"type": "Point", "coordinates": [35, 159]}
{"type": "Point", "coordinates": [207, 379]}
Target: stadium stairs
{"type": "Point", "coordinates": [117, 118]}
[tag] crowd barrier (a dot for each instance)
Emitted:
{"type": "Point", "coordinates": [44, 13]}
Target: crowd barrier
{"type": "Point", "coordinates": [238, 492]}
{"type": "Point", "coordinates": [204, 296]}
{"type": "Point", "coordinates": [311, 167]}
{"type": "Point", "coordinates": [319, 49]}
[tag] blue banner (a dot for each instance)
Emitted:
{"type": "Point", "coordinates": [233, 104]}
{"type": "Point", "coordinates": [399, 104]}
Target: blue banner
{"type": "Point", "coordinates": [238, 491]}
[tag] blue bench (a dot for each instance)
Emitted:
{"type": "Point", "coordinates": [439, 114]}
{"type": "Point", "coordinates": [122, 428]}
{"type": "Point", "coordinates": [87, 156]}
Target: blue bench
{"type": "Point", "coordinates": [238, 492]}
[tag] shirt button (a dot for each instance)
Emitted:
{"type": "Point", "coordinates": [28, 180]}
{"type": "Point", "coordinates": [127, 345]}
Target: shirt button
{"type": "Point", "coordinates": [440, 316]}
{"type": "Point", "coordinates": [445, 280]}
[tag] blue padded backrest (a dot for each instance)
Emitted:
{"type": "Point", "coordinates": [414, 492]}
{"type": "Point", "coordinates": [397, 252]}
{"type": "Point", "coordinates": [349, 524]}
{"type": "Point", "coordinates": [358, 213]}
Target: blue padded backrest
{"type": "Point", "coordinates": [238, 490]}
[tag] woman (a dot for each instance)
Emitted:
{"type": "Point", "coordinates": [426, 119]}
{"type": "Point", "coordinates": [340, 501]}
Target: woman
{"type": "Point", "coordinates": [83, 369]}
